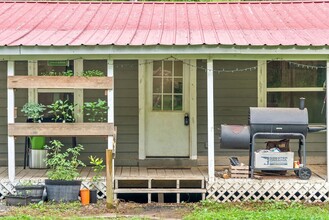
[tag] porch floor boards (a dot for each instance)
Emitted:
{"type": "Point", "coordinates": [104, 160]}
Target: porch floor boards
{"type": "Point", "coordinates": [144, 173]}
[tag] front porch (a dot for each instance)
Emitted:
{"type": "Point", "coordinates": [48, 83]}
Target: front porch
{"type": "Point", "coordinates": [155, 184]}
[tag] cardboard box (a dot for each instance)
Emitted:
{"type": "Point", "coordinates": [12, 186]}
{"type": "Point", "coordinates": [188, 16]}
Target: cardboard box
{"type": "Point", "coordinates": [283, 160]}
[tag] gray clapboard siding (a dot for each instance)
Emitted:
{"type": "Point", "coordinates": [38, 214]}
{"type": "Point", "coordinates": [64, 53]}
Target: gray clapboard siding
{"type": "Point", "coordinates": [126, 111]}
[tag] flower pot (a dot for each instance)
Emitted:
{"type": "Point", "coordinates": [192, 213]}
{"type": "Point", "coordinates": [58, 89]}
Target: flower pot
{"type": "Point", "coordinates": [63, 190]}
{"type": "Point", "coordinates": [85, 196]}
{"type": "Point", "coordinates": [93, 196]}
{"type": "Point", "coordinates": [36, 192]}
{"type": "Point", "coordinates": [17, 200]}
{"type": "Point", "coordinates": [37, 159]}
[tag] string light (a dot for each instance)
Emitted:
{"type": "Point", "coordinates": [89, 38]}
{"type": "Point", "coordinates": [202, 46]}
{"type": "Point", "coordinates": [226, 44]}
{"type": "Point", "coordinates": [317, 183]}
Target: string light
{"type": "Point", "coordinates": [218, 71]}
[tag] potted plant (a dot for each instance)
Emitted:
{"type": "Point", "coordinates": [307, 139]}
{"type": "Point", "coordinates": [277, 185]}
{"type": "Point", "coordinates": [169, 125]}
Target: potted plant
{"type": "Point", "coordinates": [34, 111]}
{"type": "Point", "coordinates": [96, 111]}
{"type": "Point", "coordinates": [27, 188]}
{"type": "Point", "coordinates": [62, 111]}
{"type": "Point", "coordinates": [98, 167]}
{"type": "Point", "coordinates": [37, 153]}
{"type": "Point", "coordinates": [63, 173]}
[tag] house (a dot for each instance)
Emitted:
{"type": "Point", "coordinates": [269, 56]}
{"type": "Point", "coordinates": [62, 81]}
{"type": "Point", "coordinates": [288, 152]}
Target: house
{"type": "Point", "coordinates": [179, 71]}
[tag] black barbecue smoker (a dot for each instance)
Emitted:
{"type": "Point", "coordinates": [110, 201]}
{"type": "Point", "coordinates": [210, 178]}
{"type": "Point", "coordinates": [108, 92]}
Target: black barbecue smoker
{"type": "Point", "coordinates": [272, 123]}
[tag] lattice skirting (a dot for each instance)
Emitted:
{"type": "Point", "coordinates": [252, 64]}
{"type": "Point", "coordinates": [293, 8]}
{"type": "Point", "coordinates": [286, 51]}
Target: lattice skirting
{"type": "Point", "coordinates": [8, 188]}
{"type": "Point", "coordinates": [234, 190]}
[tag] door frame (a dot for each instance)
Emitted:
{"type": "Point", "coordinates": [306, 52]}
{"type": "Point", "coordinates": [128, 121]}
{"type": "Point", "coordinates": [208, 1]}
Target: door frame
{"type": "Point", "coordinates": [190, 68]}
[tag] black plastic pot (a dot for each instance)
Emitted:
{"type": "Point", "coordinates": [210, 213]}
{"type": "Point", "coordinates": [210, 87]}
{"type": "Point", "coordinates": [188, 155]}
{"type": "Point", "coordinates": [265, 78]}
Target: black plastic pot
{"type": "Point", "coordinates": [36, 192]}
{"type": "Point", "coordinates": [93, 196]}
{"type": "Point", "coordinates": [63, 190]}
{"type": "Point", "coordinates": [17, 200]}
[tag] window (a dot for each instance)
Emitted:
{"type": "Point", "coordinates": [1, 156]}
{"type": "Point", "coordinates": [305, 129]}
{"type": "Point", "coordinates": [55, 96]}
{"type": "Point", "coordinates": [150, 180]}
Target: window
{"type": "Point", "coordinates": [288, 81]}
{"type": "Point", "coordinates": [167, 89]}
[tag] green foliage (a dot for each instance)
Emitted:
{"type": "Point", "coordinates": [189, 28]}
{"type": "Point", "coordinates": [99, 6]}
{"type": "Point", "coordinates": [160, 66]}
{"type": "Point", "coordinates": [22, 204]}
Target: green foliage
{"type": "Point", "coordinates": [34, 111]}
{"type": "Point", "coordinates": [89, 73]}
{"type": "Point", "coordinates": [62, 110]}
{"type": "Point", "coordinates": [63, 165]}
{"type": "Point", "coordinates": [53, 73]}
{"type": "Point", "coordinates": [266, 210]}
{"type": "Point", "coordinates": [97, 111]}
{"type": "Point", "coordinates": [98, 167]}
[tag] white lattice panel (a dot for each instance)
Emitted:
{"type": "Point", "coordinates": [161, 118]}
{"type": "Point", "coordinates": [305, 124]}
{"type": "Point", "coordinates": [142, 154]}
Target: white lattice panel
{"type": "Point", "coordinates": [292, 190]}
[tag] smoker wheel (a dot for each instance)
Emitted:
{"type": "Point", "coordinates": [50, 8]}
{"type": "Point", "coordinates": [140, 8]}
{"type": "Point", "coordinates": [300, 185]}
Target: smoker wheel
{"type": "Point", "coordinates": [305, 173]}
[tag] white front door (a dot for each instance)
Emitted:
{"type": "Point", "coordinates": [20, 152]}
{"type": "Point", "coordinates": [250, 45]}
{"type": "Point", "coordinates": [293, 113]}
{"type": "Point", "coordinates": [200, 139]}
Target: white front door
{"type": "Point", "coordinates": [167, 109]}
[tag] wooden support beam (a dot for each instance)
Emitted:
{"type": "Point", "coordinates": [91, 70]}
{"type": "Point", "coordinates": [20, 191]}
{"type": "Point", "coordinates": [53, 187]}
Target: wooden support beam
{"type": "Point", "coordinates": [60, 129]}
{"type": "Point", "coordinates": [109, 179]}
{"type": "Point", "coordinates": [59, 82]}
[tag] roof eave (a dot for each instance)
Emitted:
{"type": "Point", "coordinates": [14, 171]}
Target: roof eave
{"type": "Point", "coordinates": [197, 50]}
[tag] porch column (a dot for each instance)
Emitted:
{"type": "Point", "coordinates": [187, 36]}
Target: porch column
{"type": "Point", "coordinates": [327, 118]}
{"type": "Point", "coordinates": [11, 120]}
{"type": "Point", "coordinates": [210, 115]}
{"type": "Point", "coordinates": [110, 101]}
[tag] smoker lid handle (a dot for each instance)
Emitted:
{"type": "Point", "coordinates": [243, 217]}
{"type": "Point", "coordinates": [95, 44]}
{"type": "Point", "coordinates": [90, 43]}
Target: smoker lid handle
{"type": "Point", "coordinates": [317, 129]}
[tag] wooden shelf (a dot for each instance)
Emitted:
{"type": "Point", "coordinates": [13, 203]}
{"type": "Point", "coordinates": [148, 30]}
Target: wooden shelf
{"type": "Point", "coordinates": [61, 129]}
{"type": "Point", "coordinates": [59, 82]}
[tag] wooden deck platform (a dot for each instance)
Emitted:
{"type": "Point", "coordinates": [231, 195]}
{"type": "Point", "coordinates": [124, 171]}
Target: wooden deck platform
{"type": "Point", "coordinates": [138, 173]}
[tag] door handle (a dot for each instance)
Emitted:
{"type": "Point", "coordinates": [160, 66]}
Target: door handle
{"type": "Point", "coordinates": [186, 119]}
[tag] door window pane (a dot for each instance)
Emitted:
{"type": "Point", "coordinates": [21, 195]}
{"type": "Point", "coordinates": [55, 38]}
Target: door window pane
{"type": "Point", "coordinates": [167, 85]}
{"type": "Point", "coordinates": [157, 102]}
{"type": "Point", "coordinates": [157, 85]}
{"type": "Point", "coordinates": [167, 102]}
{"type": "Point", "coordinates": [178, 102]}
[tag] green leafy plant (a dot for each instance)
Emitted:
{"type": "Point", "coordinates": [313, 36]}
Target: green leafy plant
{"type": "Point", "coordinates": [98, 167]}
{"type": "Point", "coordinates": [53, 73]}
{"type": "Point", "coordinates": [97, 111]}
{"type": "Point", "coordinates": [89, 73]}
{"type": "Point", "coordinates": [34, 111]}
{"type": "Point", "coordinates": [62, 111]}
{"type": "Point", "coordinates": [63, 165]}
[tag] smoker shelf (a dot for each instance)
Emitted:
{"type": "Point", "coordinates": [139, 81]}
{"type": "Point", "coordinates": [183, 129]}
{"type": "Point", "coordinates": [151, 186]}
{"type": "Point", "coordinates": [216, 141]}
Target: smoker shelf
{"type": "Point", "coordinates": [303, 172]}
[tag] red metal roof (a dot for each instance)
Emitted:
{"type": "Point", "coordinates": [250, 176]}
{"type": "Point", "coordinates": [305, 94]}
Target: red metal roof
{"type": "Point", "coordinates": [159, 23]}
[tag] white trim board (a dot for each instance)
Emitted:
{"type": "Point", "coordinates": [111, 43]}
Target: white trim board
{"type": "Point", "coordinates": [162, 49]}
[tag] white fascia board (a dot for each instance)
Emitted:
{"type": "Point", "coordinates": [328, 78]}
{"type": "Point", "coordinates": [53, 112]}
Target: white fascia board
{"type": "Point", "coordinates": [197, 51]}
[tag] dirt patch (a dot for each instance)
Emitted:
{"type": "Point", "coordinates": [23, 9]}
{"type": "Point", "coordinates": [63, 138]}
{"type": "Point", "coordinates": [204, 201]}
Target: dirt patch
{"type": "Point", "coordinates": [155, 210]}
{"type": "Point", "coordinates": [121, 209]}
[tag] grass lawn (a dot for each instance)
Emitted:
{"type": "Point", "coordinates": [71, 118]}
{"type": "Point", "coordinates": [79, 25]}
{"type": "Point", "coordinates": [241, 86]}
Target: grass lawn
{"type": "Point", "coordinates": [259, 210]}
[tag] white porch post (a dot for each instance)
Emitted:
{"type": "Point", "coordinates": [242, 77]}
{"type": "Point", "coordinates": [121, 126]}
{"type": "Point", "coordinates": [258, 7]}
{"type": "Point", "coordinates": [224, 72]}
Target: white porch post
{"type": "Point", "coordinates": [327, 118]}
{"type": "Point", "coordinates": [110, 101]}
{"type": "Point", "coordinates": [11, 119]}
{"type": "Point", "coordinates": [210, 115]}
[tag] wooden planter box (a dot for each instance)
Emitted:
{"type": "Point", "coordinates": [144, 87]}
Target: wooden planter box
{"type": "Point", "coordinates": [59, 82]}
{"type": "Point", "coordinates": [61, 129]}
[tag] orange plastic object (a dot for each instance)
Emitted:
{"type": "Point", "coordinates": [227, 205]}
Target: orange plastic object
{"type": "Point", "coordinates": [85, 196]}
